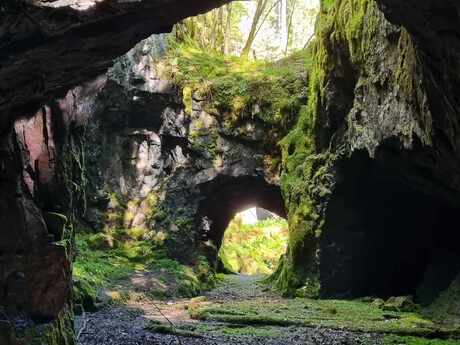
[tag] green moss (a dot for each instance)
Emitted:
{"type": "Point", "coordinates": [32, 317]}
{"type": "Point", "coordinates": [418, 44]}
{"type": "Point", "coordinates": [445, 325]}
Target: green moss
{"type": "Point", "coordinates": [238, 88]}
{"type": "Point", "coordinates": [395, 340]}
{"type": "Point", "coordinates": [101, 241]}
{"type": "Point", "coordinates": [327, 5]}
{"type": "Point", "coordinates": [156, 327]}
{"type": "Point", "coordinates": [98, 268]}
{"type": "Point", "coordinates": [445, 307]}
{"type": "Point", "coordinates": [58, 332]}
{"type": "Point", "coordinates": [332, 314]}
{"type": "Point", "coordinates": [84, 295]}
{"type": "Point", "coordinates": [187, 94]}
{"type": "Point", "coordinates": [308, 169]}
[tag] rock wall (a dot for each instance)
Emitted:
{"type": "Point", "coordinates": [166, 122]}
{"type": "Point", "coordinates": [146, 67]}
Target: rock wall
{"type": "Point", "coordinates": [371, 169]}
{"type": "Point", "coordinates": [370, 173]}
{"type": "Point", "coordinates": [182, 174]}
{"type": "Point", "coordinates": [48, 47]}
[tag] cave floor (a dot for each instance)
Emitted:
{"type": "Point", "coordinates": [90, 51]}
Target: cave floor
{"type": "Point", "coordinates": [242, 310]}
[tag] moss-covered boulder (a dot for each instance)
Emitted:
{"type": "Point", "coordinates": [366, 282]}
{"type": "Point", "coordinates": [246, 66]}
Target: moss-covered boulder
{"type": "Point", "coordinates": [400, 303]}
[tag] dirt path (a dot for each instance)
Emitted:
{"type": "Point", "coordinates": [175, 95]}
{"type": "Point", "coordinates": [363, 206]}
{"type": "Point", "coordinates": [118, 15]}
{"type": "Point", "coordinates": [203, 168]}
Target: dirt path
{"type": "Point", "coordinates": [125, 324]}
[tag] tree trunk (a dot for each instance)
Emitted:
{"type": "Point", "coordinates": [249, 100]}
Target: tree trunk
{"type": "Point", "coordinates": [261, 6]}
{"type": "Point", "coordinates": [228, 31]}
{"type": "Point", "coordinates": [283, 23]}
{"type": "Point", "coordinates": [289, 25]}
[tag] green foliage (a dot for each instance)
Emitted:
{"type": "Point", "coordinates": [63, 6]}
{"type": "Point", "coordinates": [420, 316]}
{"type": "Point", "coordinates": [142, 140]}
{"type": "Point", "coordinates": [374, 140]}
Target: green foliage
{"type": "Point", "coordinates": [60, 331]}
{"type": "Point", "coordinates": [308, 168]}
{"type": "Point", "coordinates": [254, 249]}
{"type": "Point", "coordinates": [162, 328]}
{"type": "Point", "coordinates": [101, 267]}
{"type": "Point", "coordinates": [327, 5]}
{"type": "Point", "coordinates": [236, 85]}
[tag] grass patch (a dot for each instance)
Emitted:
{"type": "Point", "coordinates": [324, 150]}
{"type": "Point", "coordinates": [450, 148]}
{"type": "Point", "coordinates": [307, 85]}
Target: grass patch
{"type": "Point", "coordinates": [107, 267]}
{"type": "Point", "coordinates": [101, 267]}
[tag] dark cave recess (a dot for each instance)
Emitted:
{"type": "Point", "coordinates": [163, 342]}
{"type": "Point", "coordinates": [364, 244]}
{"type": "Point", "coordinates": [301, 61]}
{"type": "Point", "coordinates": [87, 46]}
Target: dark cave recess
{"type": "Point", "coordinates": [382, 237]}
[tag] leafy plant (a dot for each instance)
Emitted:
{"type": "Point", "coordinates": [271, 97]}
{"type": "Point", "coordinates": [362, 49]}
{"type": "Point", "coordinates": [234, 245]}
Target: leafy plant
{"type": "Point", "coordinates": [254, 249]}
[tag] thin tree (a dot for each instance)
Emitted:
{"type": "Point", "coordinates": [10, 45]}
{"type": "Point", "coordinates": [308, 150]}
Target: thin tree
{"type": "Point", "coordinates": [284, 35]}
{"type": "Point", "coordinates": [228, 30]}
{"type": "Point", "coordinates": [290, 25]}
{"type": "Point", "coordinates": [261, 6]}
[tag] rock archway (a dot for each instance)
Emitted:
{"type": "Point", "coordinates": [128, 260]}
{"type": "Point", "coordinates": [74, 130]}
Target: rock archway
{"type": "Point", "coordinates": [225, 196]}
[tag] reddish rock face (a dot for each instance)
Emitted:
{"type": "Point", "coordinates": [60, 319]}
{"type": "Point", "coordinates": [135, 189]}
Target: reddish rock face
{"type": "Point", "coordinates": [34, 270]}
{"type": "Point", "coordinates": [36, 139]}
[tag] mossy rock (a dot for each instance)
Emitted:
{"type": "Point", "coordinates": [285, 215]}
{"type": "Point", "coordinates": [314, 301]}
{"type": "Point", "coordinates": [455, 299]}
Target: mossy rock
{"type": "Point", "coordinates": [102, 241]}
{"type": "Point", "coordinates": [84, 296]}
{"type": "Point", "coordinates": [109, 296]}
{"type": "Point", "coordinates": [400, 304]}
{"type": "Point", "coordinates": [56, 224]}
{"type": "Point", "coordinates": [378, 302]}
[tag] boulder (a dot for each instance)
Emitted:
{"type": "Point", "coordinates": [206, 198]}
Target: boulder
{"type": "Point", "coordinates": [400, 304]}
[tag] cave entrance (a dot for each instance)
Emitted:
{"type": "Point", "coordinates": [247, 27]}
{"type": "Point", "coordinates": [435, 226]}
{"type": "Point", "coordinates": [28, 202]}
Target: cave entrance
{"type": "Point", "coordinates": [224, 199]}
{"type": "Point", "coordinates": [385, 236]}
{"type": "Point", "coordinates": [253, 242]}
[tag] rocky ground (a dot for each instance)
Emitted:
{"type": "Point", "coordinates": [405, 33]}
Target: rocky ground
{"type": "Point", "coordinates": [127, 323]}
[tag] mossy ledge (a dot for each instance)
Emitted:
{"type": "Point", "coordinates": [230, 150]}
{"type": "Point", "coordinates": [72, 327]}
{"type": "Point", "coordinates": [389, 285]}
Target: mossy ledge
{"type": "Point", "coordinates": [58, 332]}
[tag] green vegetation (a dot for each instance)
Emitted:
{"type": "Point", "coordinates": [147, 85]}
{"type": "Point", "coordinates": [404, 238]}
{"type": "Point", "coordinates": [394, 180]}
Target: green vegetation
{"type": "Point", "coordinates": [254, 249]}
{"type": "Point", "coordinates": [359, 316]}
{"type": "Point", "coordinates": [238, 87]}
{"type": "Point", "coordinates": [103, 266]}
{"type": "Point", "coordinates": [158, 327]}
{"type": "Point", "coordinates": [445, 308]}
{"type": "Point", "coordinates": [199, 330]}
{"type": "Point", "coordinates": [327, 5]}
{"type": "Point", "coordinates": [395, 340]}
{"type": "Point", "coordinates": [104, 261]}
{"type": "Point", "coordinates": [344, 31]}
{"type": "Point", "coordinates": [121, 211]}
{"type": "Point", "coordinates": [263, 29]}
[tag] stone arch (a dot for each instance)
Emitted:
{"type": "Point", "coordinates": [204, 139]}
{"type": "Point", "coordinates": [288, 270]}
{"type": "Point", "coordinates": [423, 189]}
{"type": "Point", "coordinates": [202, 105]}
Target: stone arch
{"type": "Point", "coordinates": [224, 196]}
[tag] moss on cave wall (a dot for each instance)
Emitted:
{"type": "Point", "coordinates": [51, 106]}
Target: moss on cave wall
{"type": "Point", "coordinates": [61, 332]}
{"type": "Point", "coordinates": [238, 110]}
{"type": "Point", "coordinates": [351, 37]}
{"type": "Point", "coordinates": [235, 89]}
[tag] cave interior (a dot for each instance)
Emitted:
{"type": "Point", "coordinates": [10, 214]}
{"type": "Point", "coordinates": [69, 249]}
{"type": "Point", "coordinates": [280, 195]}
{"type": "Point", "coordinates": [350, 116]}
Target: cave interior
{"type": "Point", "coordinates": [384, 237]}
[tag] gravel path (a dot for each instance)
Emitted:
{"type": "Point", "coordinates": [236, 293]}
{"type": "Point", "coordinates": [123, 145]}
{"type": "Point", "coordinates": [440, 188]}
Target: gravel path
{"type": "Point", "coordinates": [125, 324]}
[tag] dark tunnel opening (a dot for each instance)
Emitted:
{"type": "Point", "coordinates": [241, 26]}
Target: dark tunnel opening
{"type": "Point", "coordinates": [384, 238]}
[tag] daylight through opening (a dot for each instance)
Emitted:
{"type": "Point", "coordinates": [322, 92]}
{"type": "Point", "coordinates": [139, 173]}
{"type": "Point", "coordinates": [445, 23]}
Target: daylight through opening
{"type": "Point", "coordinates": [253, 242]}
